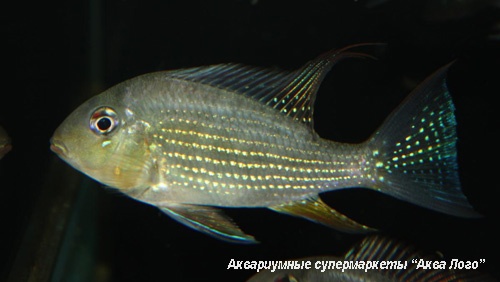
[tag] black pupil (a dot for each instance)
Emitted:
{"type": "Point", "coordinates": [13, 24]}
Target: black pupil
{"type": "Point", "coordinates": [104, 124]}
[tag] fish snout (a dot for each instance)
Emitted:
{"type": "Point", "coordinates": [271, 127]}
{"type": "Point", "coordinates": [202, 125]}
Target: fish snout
{"type": "Point", "coordinates": [58, 147]}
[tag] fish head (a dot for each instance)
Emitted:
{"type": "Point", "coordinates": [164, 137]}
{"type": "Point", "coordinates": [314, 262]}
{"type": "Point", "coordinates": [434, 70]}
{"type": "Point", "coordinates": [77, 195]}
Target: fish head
{"type": "Point", "coordinates": [103, 139]}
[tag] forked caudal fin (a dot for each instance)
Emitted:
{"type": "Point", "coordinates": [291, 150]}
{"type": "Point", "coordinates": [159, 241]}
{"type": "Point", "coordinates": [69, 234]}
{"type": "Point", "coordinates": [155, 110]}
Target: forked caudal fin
{"type": "Point", "coordinates": [414, 150]}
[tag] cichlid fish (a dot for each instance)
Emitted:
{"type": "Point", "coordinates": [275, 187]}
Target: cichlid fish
{"type": "Point", "coordinates": [373, 249]}
{"type": "Point", "coordinates": [5, 145]}
{"type": "Point", "coordinates": [191, 140]}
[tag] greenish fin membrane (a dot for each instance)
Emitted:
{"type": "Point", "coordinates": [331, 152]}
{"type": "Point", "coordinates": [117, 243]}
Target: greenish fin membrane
{"type": "Point", "coordinates": [208, 220]}
{"type": "Point", "coordinates": [316, 210]}
{"type": "Point", "coordinates": [415, 150]}
{"type": "Point", "coordinates": [379, 248]}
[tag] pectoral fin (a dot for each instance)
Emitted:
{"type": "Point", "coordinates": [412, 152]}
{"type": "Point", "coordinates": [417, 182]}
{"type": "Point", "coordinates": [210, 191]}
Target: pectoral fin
{"type": "Point", "coordinates": [208, 220]}
{"type": "Point", "coordinates": [316, 210]}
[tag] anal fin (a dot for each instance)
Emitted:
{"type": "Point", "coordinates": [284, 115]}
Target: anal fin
{"type": "Point", "coordinates": [314, 209]}
{"type": "Point", "coordinates": [208, 220]}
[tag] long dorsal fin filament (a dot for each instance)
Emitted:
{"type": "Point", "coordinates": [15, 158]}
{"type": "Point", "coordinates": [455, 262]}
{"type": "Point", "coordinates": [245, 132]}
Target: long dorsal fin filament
{"type": "Point", "coordinates": [291, 93]}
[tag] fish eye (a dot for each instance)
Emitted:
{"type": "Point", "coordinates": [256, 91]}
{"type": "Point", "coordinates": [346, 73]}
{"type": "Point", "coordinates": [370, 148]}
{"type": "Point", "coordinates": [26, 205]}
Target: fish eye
{"type": "Point", "coordinates": [103, 121]}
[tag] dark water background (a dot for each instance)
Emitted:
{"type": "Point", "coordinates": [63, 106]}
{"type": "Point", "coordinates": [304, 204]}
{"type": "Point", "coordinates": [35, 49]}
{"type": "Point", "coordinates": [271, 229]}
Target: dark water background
{"type": "Point", "coordinates": [61, 226]}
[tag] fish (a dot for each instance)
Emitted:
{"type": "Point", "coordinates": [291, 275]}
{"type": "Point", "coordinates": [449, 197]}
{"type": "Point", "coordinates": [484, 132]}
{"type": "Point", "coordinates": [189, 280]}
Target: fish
{"type": "Point", "coordinates": [408, 264]}
{"type": "Point", "coordinates": [5, 145]}
{"type": "Point", "coordinates": [194, 141]}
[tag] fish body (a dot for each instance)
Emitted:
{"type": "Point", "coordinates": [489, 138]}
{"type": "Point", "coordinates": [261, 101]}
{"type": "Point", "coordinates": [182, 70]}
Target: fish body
{"type": "Point", "coordinates": [188, 141]}
{"type": "Point", "coordinates": [230, 151]}
{"type": "Point", "coordinates": [5, 145]}
{"type": "Point", "coordinates": [378, 249]}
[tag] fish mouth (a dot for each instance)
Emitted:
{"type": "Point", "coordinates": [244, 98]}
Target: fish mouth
{"type": "Point", "coordinates": [58, 147]}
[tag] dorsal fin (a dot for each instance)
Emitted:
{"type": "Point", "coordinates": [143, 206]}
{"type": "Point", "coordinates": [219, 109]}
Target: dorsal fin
{"type": "Point", "coordinates": [291, 93]}
{"type": "Point", "coordinates": [234, 77]}
{"type": "Point", "coordinates": [296, 98]}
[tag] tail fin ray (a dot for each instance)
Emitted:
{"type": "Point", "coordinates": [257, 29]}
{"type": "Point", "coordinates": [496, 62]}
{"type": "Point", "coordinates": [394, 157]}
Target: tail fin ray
{"type": "Point", "coordinates": [415, 150]}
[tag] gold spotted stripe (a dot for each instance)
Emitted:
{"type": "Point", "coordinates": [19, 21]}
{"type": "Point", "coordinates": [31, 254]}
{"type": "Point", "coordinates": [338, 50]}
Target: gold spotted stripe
{"type": "Point", "coordinates": [200, 160]}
